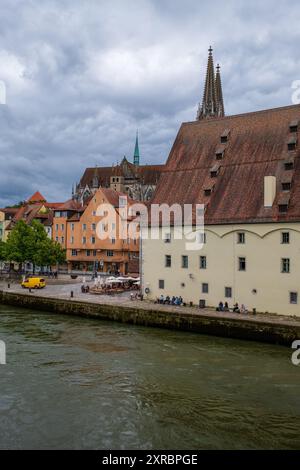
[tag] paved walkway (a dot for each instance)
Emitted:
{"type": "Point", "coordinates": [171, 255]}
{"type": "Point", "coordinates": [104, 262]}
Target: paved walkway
{"type": "Point", "coordinates": [64, 292]}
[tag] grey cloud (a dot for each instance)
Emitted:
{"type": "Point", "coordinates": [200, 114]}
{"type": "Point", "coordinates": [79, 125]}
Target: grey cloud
{"type": "Point", "coordinates": [83, 76]}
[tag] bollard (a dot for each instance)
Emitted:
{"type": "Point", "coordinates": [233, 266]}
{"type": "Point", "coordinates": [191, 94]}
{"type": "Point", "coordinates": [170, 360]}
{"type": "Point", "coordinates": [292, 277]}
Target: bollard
{"type": "Point", "coordinates": [254, 311]}
{"type": "Point", "coordinates": [72, 294]}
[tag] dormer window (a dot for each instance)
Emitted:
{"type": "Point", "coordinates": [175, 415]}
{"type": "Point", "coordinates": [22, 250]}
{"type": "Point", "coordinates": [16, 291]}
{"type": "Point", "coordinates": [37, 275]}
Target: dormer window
{"type": "Point", "coordinates": [294, 126]}
{"type": "Point", "coordinates": [289, 165]}
{"type": "Point", "coordinates": [286, 181]}
{"type": "Point", "coordinates": [286, 186]}
{"type": "Point", "coordinates": [283, 208]}
{"type": "Point", "coordinates": [283, 203]}
{"type": "Point", "coordinates": [225, 136]}
{"type": "Point", "coordinates": [214, 171]}
{"type": "Point", "coordinates": [291, 143]}
{"type": "Point", "coordinates": [220, 153]}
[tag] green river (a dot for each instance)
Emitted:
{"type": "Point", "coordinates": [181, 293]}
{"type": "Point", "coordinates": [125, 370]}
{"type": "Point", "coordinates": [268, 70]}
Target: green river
{"type": "Point", "coordinates": [73, 383]}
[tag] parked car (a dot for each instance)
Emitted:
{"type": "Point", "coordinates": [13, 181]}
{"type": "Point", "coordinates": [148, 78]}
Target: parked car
{"type": "Point", "coordinates": [34, 283]}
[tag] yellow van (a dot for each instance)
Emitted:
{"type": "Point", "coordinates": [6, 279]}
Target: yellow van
{"type": "Point", "coordinates": [34, 283]}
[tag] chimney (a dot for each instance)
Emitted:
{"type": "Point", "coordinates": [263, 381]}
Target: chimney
{"type": "Point", "coordinates": [269, 190]}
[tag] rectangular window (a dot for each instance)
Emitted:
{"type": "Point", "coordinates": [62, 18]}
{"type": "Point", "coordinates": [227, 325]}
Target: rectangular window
{"type": "Point", "coordinates": [161, 284]}
{"type": "Point", "coordinates": [241, 238]}
{"type": "Point", "coordinates": [72, 240]}
{"type": "Point", "coordinates": [74, 252]}
{"type": "Point", "coordinates": [88, 252]}
{"type": "Point", "coordinates": [203, 263]}
{"type": "Point", "coordinates": [83, 240]}
{"type": "Point", "coordinates": [167, 238]}
{"type": "Point", "coordinates": [109, 253]}
{"type": "Point", "coordinates": [285, 265]}
{"type": "Point", "coordinates": [93, 226]}
{"type": "Point", "coordinates": [83, 226]}
{"type": "Point", "coordinates": [72, 227]}
{"type": "Point", "coordinates": [63, 239]}
{"type": "Point", "coordinates": [242, 264]}
{"type": "Point", "coordinates": [184, 261]}
{"type": "Point", "coordinates": [94, 252]}
{"type": "Point", "coordinates": [63, 226]}
{"type": "Point", "coordinates": [93, 240]}
{"type": "Point", "coordinates": [56, 227]}
{"type": "Point", "coordinates": [204, 288]}
{"type": "Point", "coordinates": [228, 292]}
{"type": "Point", "coordinates": [285, 238]}
{"type": "Point", "coordinates": [113, 240]}
{"type": "Point", "coordinates": [56, 239]}
{"type": "Point", "coordinates": [168, 261]}
{"type": "Point", "coordinates": [293, 297]}
{"type": "Point", "coordinates": [202, 238]}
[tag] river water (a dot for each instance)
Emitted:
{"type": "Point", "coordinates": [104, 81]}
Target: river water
{"type": "Point", "coordinates": [78, 383]}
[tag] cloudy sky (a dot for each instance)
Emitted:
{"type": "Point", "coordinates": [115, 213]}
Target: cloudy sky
{"type": "Point", "coordinates": [82, 75]}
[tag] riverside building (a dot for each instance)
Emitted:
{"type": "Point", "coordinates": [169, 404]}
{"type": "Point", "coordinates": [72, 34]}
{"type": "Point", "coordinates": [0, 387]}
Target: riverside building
{"type": "Point", "coordinates": [245, 170]}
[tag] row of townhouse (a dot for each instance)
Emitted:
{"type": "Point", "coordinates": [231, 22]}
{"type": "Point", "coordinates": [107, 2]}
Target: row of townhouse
{"type": "Point", "coordinates": [92, 233]}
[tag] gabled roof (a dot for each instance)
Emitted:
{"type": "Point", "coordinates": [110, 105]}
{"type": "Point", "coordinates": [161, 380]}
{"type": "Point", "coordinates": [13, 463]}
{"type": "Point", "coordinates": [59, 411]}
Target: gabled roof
{"type": "Point", "coordinates": [36, 197]}
{"type": "Point", "coordinates": [257, 147]}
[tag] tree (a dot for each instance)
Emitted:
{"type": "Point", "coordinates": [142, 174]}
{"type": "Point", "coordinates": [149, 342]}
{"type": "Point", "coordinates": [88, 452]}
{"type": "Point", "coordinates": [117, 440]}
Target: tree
{"type": "Point", "coordinates": [2, 251]}
{"type": "Point", "coordinates": [30, 244]}
{"type": "Point", "coordinates": [18, 247]}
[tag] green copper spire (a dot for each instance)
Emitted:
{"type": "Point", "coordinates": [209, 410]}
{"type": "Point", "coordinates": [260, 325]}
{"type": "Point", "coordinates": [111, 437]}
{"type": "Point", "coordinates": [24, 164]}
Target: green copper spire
{"type": "Point", "coordinates": [136, 157]}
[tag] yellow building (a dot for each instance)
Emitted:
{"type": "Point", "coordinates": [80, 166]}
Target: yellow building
{"type": "Point", "coordinates": [254, 264]}
{"type": "Point", "coordinates": [6, 216]}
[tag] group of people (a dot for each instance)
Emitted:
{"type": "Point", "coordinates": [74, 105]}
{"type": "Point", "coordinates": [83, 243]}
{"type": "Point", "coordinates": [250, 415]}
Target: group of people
{"type": "Point", "coordinates": [170, 300]}
{"type": "Point", "coordinates": [225, 308]}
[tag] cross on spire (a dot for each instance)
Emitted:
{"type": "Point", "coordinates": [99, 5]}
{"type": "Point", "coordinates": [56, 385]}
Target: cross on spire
{"type": "Point", "coordinates": [212, 102]}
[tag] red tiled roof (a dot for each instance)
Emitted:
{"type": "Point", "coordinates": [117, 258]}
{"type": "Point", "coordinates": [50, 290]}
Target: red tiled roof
{"type": "Point", "coordinates": [257, 147]}
{"type": "Point", "coordinates": [37, 197]}
{"type": "Point", "coordinates": [148, 174]}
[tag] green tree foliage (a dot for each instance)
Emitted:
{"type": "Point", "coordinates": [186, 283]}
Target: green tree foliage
{"type": "Point", "coordinates": [2, 251]}
{"type": "Point", "coordinates": [30, 243]}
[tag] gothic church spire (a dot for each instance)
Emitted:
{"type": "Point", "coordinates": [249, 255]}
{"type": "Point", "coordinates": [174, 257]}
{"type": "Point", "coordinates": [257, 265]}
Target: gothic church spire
{"type": "Point", "coordinates": [212, 102]}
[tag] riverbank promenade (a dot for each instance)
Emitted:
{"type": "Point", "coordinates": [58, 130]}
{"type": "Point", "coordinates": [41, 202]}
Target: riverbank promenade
{"type": "Point", "coordinates": [67, 298]}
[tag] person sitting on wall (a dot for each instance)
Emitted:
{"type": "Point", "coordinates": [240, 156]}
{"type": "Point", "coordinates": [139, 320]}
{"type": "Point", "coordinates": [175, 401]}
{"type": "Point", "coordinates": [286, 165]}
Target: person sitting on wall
{"type": "Point", "coordinates": [167, 301]}
{"type": "Point", "coordinates": [180, 300]}
{"type": "Point", "coordinates": [236, 308]}
{"type": "Point", "coordinates": [162, 299]}
{"type": "Point", "coordinates": [244, 309]}
{"type": "Point", "coordinates": [220, 307]}
{"type": "Point", "coordinates": [173, 300]}
{"type": "Point", "coordinates": [226, 307]}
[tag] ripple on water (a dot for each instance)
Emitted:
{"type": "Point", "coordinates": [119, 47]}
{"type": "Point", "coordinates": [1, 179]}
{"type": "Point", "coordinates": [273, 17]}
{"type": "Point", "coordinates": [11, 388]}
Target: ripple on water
{"type": "Point", "coordinates": [77, 383]}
